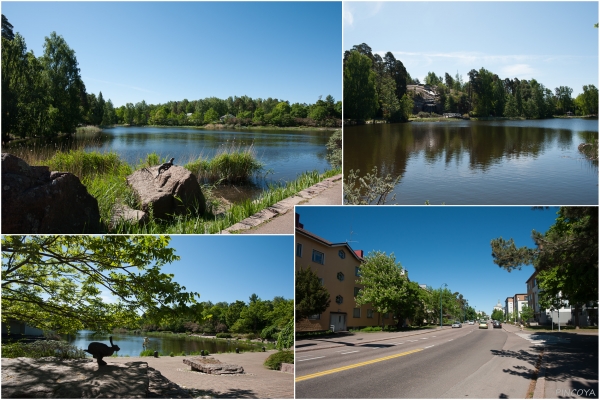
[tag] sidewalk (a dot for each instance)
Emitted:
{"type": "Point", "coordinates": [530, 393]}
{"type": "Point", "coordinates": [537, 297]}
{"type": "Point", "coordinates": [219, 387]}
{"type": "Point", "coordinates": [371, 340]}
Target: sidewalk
{"type": "Point", "coordinates": [569, 366]}
{"type": "Point", "coordinates": [256, 382]}
{"type": "Point", "coordinates": [279, 218]}
{"type": "Point", "coordinates": [354, 339]}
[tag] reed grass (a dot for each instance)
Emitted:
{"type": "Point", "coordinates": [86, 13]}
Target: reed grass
{"type": "Point", "coordinates": [231, 164]}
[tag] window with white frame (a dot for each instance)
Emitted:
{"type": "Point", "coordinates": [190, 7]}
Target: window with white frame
{"type": "Point", "coordinates": [318, 257]}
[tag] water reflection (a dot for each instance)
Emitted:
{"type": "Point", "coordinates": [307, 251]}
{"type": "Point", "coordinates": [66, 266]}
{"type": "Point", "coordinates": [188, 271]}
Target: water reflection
{"type": "Point", "coordinates": [463, 162]}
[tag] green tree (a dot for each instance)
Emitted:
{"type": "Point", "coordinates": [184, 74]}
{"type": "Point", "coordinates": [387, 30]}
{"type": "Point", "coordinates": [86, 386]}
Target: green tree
{"type": "Point", "coordinates": [64, 83]}
{"type": "Point", "coordinates": [566, 256]}
{"type": "Point", "coordinates": [497, 315]}
{"type": "Point", "coordinates": [360, 97]}
{"type": "Point", "coordinates": [234, 311]}
{"type": "Point", "coordinates": [388, 102]}
{"type": "Point", "coordinates": [7, 29]}
{"type": "Point", "coordinates": [526, 313]}
{"type": "Point", "coordinates": [58, 282]}
{"type": "Point", "coordinates": [386, 286]}
{"type": "Point", "coordinates": [210, 116]}
{"type": "Point", "coordinates": [311, 296]}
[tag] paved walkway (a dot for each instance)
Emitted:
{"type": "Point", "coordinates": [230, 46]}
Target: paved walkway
{"type": "Point", "coordinates": [257, 382]}
{"type": "Point", "coordinates": [279, 218]}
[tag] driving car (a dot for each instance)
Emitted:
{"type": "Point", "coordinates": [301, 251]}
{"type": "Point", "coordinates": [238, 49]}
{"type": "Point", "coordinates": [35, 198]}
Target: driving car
{"type": "Point", "coordinates": [471, 323]}
{"type": "Point", "coordinates": [457, 324]}
{"type": "Point", "coordinates": [497, 324]}
{"type": "Point", "coordinates": [483, 324]}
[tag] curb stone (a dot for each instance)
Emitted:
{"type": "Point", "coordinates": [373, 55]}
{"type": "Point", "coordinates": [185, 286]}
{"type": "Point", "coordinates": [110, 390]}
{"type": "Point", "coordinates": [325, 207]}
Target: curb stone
{"type": "Point", "coordinates": [282, 206]}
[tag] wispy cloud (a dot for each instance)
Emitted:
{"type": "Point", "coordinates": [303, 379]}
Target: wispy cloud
{"type": "Point", "coordinates": [359, 11]}
{"type": "Point", "coordinates": [119, 84]}
{"type": "Point", "coordinates": [519, 70]}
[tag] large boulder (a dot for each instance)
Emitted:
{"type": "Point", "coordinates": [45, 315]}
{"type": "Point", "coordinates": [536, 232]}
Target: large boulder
{"type": "Point", "coordinates": [174, 191]}
{"type": "Point", "coordinates": [37, 201]}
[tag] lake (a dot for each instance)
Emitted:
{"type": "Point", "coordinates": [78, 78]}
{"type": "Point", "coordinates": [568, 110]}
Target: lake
{"type": "Point", "coordinates": [525, 162]}
{"type": "Point", "coordinates": [131, 344]}
{"type": "Point", "coordinates": [284, 153]}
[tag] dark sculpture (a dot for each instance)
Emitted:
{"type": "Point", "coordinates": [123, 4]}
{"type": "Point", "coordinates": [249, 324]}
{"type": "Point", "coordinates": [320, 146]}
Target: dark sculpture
{"type": "Point", "coordinates": [99, 350]}
{"type": "Point", "coordinates": [165, 166]}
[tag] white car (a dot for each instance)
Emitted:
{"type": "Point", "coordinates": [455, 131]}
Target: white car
{"type": "Point", "coordinates": [471, 323]}
{"type": "Point", "coordinates": [457, 324]}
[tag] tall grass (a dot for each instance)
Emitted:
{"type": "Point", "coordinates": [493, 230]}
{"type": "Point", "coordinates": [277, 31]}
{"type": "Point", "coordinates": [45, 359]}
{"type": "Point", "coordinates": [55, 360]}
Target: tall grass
{"type": "Point", "coordinates": [232, 164]}
{"type": "Point", "coordinates": [42, 348]}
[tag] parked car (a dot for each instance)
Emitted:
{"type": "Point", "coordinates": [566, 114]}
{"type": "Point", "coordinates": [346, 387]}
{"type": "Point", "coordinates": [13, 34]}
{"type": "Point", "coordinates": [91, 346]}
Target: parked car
{"type": "Point", "coordinates": [483, 324]}
{"type": "Point", "coordinates": [497, 324]}
{"type": "Point", "coordinates": [471, 323]}
{"type": "Point", "coordinates": [457, 324]}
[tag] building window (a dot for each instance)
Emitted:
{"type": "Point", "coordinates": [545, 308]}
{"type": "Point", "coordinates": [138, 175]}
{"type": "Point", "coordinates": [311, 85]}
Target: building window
{"type": "Point", "coordinates": [318, 257]}
{"type": "Point", "coordinates": [356, 291]}
{"type": "Point", "coordinates": [369, 313]}
{"type": "Point", "coordinates": [356, 271]}
{"type": "Point", "coordinates": [314, 316]}
{"type": "Point", "coordinates": [298, 249]}
{"type": "Point", "coordinates": [322, 281]}
{"type": "Point", "coordinates": [342, 254]}
{"type": "Point", "coordinates": [356, 313]}
{"type": "Point", "coordinates": [339, 299]}
{"type": "Point", "coordinates": [340, 276]}
{"type": "Point", "coordinates": [386, 315]}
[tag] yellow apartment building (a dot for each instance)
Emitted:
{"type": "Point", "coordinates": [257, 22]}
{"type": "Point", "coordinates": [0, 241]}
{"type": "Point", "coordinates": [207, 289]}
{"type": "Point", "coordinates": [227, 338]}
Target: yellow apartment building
{"type": "Point", "coordinates": [338, 267]}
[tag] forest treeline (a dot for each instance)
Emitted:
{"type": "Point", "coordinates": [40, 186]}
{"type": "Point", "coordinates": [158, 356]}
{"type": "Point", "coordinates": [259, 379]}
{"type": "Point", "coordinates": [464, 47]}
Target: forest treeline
{"type": "Point", "coordinates": [44, 96]}
{"type": "Point", "coordinates": [376, 87]}
{"type": "Point", "coordinates": [263, 317]}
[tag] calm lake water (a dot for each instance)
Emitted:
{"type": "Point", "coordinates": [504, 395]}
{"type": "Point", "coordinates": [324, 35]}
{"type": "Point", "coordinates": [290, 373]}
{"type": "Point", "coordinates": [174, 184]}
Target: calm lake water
{"type": "Point", "coordinates": [131, 345]}
{"type": "Point", "coordinates": [480, 162]}
{"type": "Point", "coordinates": [284, 153]}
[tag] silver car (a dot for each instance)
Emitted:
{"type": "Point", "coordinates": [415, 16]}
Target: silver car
{"type": "Point", "coordinates": [457, 324]}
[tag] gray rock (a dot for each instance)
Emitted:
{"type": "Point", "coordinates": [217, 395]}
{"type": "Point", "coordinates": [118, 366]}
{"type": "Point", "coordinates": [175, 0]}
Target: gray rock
{"type": "Point", "coordinates": [35, 200]}
{"type": "Point", "coordinates": [124, 213]}
{"type": "Point", "coordinates": [210, 365]}
{"type": "Point", "coordinates": [175, 191]}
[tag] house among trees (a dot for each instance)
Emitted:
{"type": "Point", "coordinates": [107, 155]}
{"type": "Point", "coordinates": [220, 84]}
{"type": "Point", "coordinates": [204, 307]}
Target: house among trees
{"type": "Point", "coordinates": [338, 267]}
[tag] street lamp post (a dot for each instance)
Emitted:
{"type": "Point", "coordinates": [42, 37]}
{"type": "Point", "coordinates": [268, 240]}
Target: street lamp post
{"type": "Point", "coordinates": [441, 318]}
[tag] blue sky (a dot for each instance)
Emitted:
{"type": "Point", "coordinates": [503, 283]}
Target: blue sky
{"type": "Point", "coordinates": [553, 42]}
{"type": "Point", "coordinates": [162, 51]}
{"type": "Point", "coordinates": [438, 244]}
{"type": "Point", "coordinates": [229, 268]}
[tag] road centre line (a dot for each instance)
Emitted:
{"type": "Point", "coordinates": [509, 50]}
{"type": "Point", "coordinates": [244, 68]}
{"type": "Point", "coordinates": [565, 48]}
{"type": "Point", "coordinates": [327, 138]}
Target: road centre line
{"type": "Point", "coordinates": [355, 351]}
{"type": "Point", "coordinates": [332, 371]}
{"type": "Point", "coordinates": [314, 358]}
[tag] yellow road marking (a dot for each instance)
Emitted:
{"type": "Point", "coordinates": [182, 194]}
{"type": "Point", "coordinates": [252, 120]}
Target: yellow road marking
{"type": "Point", "coordinates": [333, 371]}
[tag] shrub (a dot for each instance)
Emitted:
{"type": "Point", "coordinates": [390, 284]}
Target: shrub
{"type": "Point", "coordinates": [269, 333]}
{"type": "Point", "coordinates": [146, 353]}
{"type": "Point", "coordinates": [334, 149]}
{"type": "Point", "coordinates": [222, 335]}
{"type": "Point", "coordinates": [42, 348]}
{"type": "Point", "coordinates": [171, 354]}
{"type": "Point", "coordinates": [274, 360]}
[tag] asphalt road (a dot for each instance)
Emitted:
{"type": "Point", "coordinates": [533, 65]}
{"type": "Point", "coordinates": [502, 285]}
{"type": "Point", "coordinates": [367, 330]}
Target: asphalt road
{"type": "Point", "coordinates": [465, 362]}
